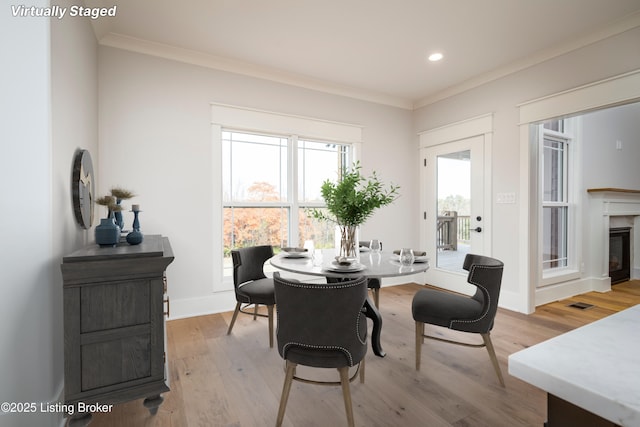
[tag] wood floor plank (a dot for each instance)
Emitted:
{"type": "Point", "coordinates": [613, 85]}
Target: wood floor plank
{"type": "Point", "coordinates": [236, 380]}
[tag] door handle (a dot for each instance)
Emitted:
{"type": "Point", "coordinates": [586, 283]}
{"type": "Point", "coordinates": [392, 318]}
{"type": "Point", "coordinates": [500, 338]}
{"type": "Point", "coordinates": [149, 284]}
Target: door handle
{"type": "Point", "coordinates": [477, 229]}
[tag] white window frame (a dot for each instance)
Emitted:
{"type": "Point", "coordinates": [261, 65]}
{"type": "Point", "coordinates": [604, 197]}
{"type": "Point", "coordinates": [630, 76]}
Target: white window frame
{"type": "Point", "coordinates": [571, 200]}
{"type": "Point", "coordinates": [292, 204]}
{"type": "Point", "coordinates": [263, 122]}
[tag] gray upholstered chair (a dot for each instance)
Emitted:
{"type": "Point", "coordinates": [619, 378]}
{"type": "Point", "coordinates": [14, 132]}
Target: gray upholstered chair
{"type": "Point", "coordinates": [473, 314]}
{"type": "Point", "coordinates": [251, 285]}
{"type": "Point", "coordinates": [322, 326]}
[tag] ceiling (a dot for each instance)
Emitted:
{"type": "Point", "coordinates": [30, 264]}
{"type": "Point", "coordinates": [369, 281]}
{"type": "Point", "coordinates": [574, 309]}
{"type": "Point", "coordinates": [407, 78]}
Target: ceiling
{"type": "Point", "coordinates": [368, 49]}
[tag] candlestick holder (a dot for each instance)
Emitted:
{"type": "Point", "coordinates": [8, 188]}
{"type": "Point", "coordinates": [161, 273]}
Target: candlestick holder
{"type": "Point", "coordinates": [135, 237]}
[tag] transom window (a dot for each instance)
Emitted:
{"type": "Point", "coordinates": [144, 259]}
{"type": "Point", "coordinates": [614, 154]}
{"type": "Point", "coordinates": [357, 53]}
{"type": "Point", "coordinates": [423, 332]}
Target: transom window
{"type": "Point", "coordinates": [268, 183]}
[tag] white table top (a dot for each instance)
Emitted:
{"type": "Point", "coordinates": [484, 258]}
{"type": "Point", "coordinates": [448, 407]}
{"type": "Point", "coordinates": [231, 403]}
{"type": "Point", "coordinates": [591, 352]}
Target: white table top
{"type": "Point", "coordinates": [595, 367]}
{"type": "Point", "coordinates": [381, 264]}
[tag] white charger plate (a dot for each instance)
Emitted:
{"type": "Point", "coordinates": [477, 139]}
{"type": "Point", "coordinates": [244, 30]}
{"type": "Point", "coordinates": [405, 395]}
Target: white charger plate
{"type": "Point", "coordinates": [337, 268]}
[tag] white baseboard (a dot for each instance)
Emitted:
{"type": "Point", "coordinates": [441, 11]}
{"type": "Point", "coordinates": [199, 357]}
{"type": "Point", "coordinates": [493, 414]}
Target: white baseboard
{"type": "Point", "coordinates": [560, 291]}
{"type": "Point", "coordinates": [217, 302]}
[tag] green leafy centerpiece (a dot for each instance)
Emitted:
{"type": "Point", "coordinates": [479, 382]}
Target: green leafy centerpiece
{"type": "Point", "coordinates": [350, 202]}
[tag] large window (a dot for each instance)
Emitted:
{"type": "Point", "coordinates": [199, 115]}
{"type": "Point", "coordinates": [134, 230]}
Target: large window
{"type": "Point", "coordinates": [557, 216]}
{"type": "Point", "coordinates": [269, 183]}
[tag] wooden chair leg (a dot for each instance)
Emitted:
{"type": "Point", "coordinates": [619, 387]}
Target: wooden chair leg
{"type": "Point", "coordinates": [233, 319]}
{"type": "Point", "coordinates": [255, 312]}
{"type": "Point", "coordinates": [270, 311]}
{"type": "Point", "coordinates": [492, 355]}
{"type": "Point", "coordinates": [288, 379]}
{"type": "Point", "coordinates": [346, 394]}
{"type": "Point", "coordinates": [419, 341]}
{"type": "Point", "coordinates": [362, 367]}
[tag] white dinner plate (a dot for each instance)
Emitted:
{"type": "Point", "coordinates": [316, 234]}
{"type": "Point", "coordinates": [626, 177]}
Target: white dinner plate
{"type": "Point", "coordinates": [419, 259]}
{"type": "Point", "coordinates": [336, 268]}
{"type": "Point", "coordinates": [295, 253]}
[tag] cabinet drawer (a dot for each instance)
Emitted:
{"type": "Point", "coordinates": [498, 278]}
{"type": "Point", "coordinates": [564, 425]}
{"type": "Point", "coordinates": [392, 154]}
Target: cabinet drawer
{"type": "Point", "coordinates": [114, 362]}
{"type": "Point", "coordinates": [109, 306]}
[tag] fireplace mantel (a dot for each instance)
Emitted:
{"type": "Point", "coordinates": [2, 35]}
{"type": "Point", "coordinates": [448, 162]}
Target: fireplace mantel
{"type": "Point", "coordinates": [612, 190]}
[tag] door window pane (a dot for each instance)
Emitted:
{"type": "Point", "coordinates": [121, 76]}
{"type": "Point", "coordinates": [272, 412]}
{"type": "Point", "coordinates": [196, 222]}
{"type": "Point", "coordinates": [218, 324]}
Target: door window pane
{"type": "Point", "coordinates": [454, 200]}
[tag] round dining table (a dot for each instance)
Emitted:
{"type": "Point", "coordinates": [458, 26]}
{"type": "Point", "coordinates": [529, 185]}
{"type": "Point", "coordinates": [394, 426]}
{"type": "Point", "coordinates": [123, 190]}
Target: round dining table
{"type": "Point", "coordinates": [369, 264]}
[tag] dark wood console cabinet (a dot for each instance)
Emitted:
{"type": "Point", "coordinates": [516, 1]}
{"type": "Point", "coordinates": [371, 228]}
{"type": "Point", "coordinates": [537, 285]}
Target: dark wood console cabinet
{"type": "Point", "coordinates": [114, 325]}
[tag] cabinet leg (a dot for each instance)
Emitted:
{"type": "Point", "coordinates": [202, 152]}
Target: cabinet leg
{"type": "Point", "coordinates": [152, 403]}
{"type": "Point", "coordinates": [81, 419]}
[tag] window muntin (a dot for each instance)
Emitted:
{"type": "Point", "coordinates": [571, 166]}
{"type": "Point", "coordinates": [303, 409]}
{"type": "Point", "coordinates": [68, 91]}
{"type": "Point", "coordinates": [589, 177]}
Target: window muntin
{"type": "Point", "coordinates": [317, 162]}
{"type": "Point", "coordinates": [254, 167]}
{"type": "Point", "coordinates": [557, 220]}
{"type": "Point", "coordinates": [268, 183]}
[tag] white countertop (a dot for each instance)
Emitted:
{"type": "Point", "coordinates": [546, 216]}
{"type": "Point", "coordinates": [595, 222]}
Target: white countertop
{"type": "Point", "coordinates": [595, 367]}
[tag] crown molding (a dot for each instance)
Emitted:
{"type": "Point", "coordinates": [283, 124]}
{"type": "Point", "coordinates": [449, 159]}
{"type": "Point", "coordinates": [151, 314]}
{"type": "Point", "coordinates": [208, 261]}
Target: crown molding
{"type": "Point", "coordinates": [630, 22]}
{"type": "Point", "coordinates": [193, 57]}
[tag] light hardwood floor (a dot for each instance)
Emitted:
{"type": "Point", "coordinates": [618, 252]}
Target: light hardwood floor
{"type": "Point", "coordinates": [236, 380]}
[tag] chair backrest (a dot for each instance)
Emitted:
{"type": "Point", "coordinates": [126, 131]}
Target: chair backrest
{"type": "Point", "coordinates": [322, 320]}
{"type": "Point", "coordinates": [248, 263]}
{"type": "Point", "coordinates": [486, 274]}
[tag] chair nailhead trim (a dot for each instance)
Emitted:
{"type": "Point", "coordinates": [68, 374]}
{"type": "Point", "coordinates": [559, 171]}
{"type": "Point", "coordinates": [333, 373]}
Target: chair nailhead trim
{"type": "Point", "coordinates": [486, 292]}
{"type": "Point", "coordinates": [349, 284]}
{"type": "Point", "coordinates": [319, 347]}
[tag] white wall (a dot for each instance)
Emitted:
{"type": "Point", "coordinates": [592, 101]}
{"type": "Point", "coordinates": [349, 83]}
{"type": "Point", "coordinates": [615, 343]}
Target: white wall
{"type": "Point", "coordinates": [48, 108]}
{"type": "Point", "coordinates": [603, 164]}
{"type": "Point", "coordinates": [155, 138]}
{"type": "Point", "coordinates": [598, 61]}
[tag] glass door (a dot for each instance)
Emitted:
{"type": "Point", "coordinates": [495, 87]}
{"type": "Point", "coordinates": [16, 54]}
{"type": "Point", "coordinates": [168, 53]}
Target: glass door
{"type": "Point", "coordinates": [454, 212]}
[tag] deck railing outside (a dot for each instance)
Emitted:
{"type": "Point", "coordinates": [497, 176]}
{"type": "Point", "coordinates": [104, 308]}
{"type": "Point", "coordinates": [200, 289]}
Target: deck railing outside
{"type": "Point", "coordinates": [451, 229]}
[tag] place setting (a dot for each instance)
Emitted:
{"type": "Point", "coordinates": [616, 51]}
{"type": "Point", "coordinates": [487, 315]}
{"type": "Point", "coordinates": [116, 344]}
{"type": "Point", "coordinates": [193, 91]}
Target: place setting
{"type": "Point", "coordinates": [342, 264]}
{"type": "Point", "coordinates": [407, 256]}
{"type": "Point", "coordinates": [295, 252]}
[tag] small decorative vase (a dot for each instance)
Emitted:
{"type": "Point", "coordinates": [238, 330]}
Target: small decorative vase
{"type": "Point", "coordinates": [107, 233]}
{"type": "Point", "coordinates": [135, 237]}
{"type": "Point", "coordinates": [347, 241]}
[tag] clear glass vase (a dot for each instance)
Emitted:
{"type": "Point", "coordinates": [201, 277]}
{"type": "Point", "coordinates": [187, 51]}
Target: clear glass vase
{"type": "Point", "coordinates": [347, 241]}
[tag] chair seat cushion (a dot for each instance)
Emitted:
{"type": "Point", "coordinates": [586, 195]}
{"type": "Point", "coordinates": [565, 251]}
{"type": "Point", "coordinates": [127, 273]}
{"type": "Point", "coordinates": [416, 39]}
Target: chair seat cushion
{"type": "Point", "coordinates": [259, 291]}
{"type": "Point", "coordinates": [441, 308]}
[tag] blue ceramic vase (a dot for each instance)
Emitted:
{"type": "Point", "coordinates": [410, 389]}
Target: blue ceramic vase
{"type": "Point", "coordinates": [107, 233]}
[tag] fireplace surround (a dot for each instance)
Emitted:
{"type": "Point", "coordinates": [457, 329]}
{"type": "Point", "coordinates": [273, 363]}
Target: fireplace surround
{"type": "Point", "coordinates": [613, 211]}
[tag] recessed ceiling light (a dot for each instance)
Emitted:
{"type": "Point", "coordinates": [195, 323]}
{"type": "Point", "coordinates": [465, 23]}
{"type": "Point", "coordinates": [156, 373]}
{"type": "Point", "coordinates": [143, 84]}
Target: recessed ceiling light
{"type": "Point", "coordinates": [434, 57]}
